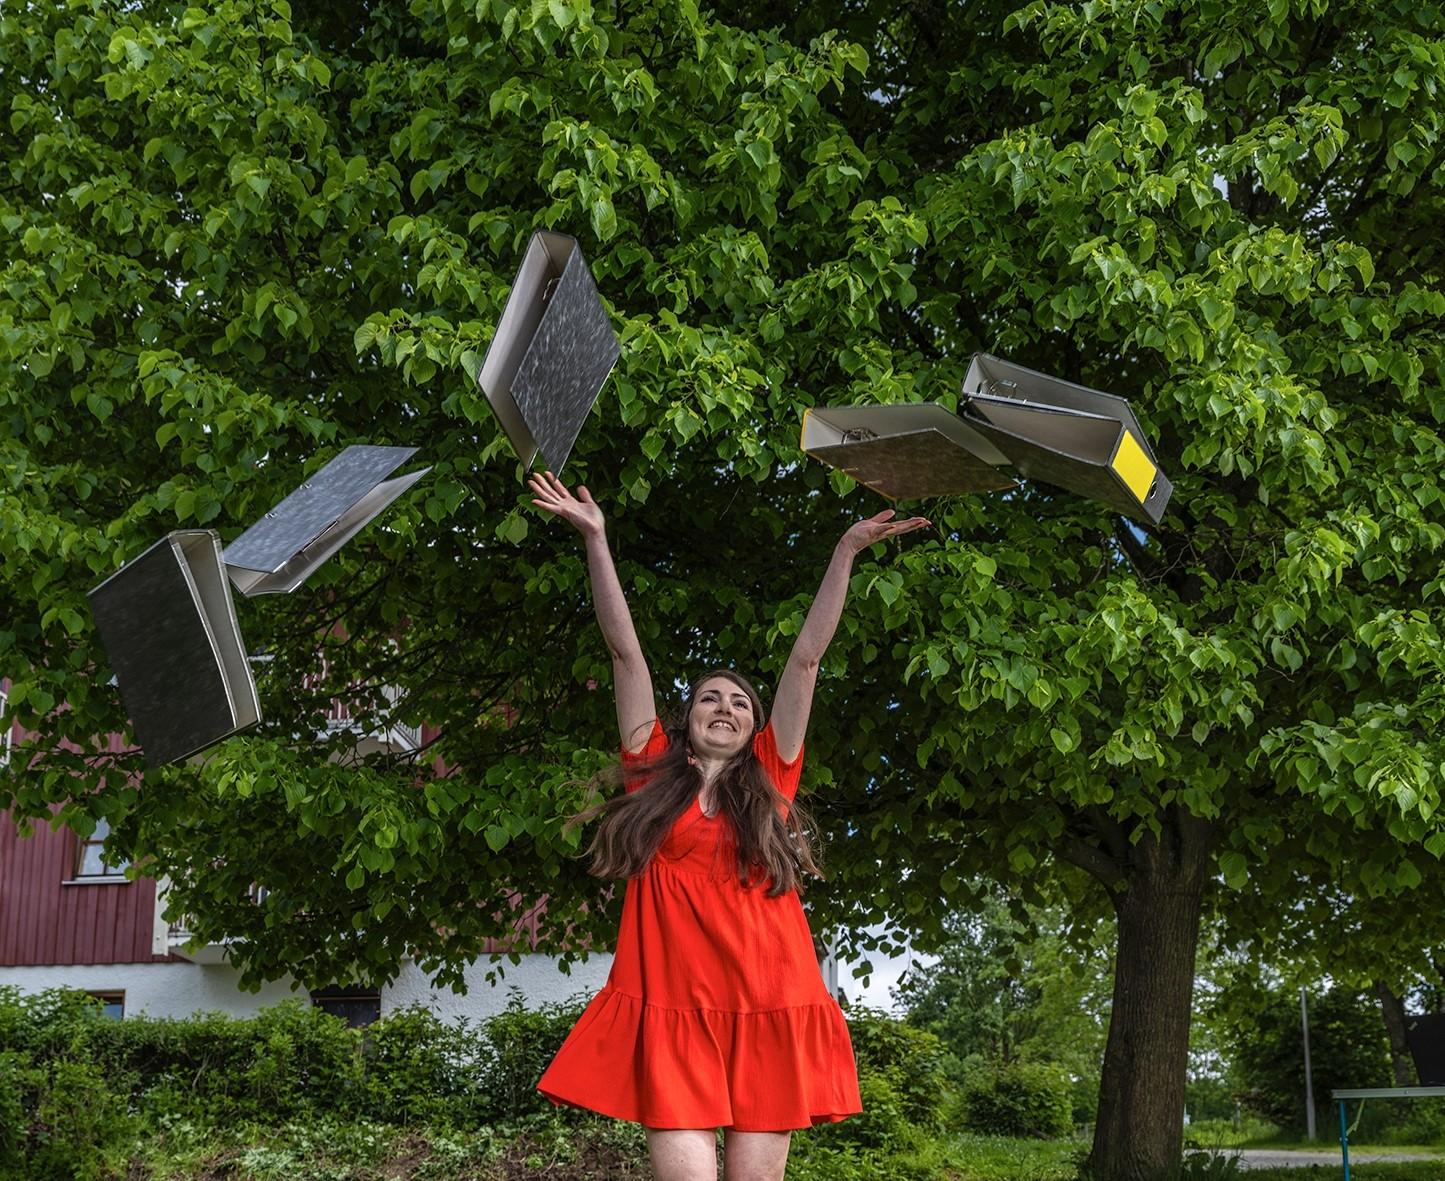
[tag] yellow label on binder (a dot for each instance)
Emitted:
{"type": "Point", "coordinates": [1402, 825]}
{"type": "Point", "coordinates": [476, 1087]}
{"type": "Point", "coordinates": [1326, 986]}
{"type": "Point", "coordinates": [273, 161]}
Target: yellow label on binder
{"type": "Point", "coordinates": [1134, 467]}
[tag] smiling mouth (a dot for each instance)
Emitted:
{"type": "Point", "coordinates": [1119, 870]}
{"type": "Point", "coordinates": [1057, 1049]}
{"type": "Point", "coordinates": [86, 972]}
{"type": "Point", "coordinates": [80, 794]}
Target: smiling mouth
{"type": "Point", "coordinates": [724, 725]}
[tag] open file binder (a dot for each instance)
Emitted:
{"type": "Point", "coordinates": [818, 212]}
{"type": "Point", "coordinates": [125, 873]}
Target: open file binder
{"type": "Point", "coordinates": [169, 627]}
{"type": "Point", "coordinates": [283, 549]}
{"type": "Point", "coordinates": [1009, 417]}
{"type": "Point", "coordinates": [168, 621]}
{"type": "Point", "coordinates": [1064, 434]}
{"type": "Point", "coordinates": [904, 452]}
{"type": "Point", "coordinates": [552, 351]}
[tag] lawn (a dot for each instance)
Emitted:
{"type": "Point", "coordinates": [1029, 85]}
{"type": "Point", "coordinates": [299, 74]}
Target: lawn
{"type": "Point", "coordinates": [598, 1150]}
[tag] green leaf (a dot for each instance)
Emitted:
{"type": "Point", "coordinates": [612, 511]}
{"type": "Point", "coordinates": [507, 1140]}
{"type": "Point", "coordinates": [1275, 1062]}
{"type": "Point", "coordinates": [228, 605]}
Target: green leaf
{"type": "Point", "coordinates": [1236, 872]}
{"type": "Point", "coordinates": [604, 219]}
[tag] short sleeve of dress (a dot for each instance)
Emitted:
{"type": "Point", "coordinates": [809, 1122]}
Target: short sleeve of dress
{"type": "Point", "coordinates": [785, 776]}
{"type": "Point", "coordinates": [655, 745]}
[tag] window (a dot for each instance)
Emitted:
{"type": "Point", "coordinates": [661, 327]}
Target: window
{"type": "Point", "coordinates": [355, 1006]}
{"type": "Point", "coordinates": [112, 1003]}
{"type": "Point", "coordinates": [7, 734]}
{"type": "Point", "coordinates": [90, 864]}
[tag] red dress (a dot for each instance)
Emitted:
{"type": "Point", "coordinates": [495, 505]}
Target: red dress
{"type": "Point", "coordinates": [715, 1013]}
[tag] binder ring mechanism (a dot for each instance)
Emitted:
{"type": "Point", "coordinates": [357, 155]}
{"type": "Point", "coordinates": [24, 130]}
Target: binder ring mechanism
{"type": "Point", "coordinates": [271, 516]}
{"type": "Point", "coordinates": [859, 434]}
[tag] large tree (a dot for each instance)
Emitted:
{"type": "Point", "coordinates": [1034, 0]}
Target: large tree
{"type": "Point", "coordinates": [238, 238]}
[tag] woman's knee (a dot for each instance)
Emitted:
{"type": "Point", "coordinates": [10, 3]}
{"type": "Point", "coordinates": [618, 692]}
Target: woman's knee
{"type": "Point", "coordinates": [755, 1156]}
{"type": "Point", "coordinates": [683, 1154]}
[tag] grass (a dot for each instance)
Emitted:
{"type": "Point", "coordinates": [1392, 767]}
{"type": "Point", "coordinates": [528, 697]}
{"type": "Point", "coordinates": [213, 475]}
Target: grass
{"type": "Point", "coordinates": [600, 1150]}
{"type": "Point", "coordinates": [998, 1158]}
{"type": "Point", "coordinates": [1392, 1171]}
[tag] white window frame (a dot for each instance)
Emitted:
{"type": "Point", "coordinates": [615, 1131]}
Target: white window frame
{"type": "Point", "coordinates": [7, 738]}
{"type": "Point", "coordinates": [109, 874]}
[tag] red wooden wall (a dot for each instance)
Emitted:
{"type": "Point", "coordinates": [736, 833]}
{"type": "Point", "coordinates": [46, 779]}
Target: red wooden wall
{"type": "Point", "coordinates": [43, 921]}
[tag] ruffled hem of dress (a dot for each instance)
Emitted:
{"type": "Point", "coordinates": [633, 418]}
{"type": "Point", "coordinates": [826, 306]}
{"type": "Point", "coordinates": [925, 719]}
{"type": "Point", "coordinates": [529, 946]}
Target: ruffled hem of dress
{"type": "Point", "coordinates": [770, 1071]}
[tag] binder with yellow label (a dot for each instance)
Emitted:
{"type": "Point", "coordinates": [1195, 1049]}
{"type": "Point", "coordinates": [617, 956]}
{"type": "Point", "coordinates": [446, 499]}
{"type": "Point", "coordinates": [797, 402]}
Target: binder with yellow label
{"type": "Point", "coordinates": [1011, 421]}
{"type": "Point", "coordinates": [1082, 440]}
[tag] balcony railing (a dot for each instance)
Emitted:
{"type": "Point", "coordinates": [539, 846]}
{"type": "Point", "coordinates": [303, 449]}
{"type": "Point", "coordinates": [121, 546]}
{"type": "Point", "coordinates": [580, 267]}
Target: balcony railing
{"type": "Point", "coordinates": [171, 938]}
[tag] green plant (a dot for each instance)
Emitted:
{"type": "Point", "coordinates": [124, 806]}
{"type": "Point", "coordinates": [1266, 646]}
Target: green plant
{"type": "Point", "coordinates": [1209, 1166]}
{"type": "Point", "coordinates": [1017, 1099]}
{"type": "Point", "coordinates": [419, 1069]}
{"type": "Point", "coordinates": [520, 1044]}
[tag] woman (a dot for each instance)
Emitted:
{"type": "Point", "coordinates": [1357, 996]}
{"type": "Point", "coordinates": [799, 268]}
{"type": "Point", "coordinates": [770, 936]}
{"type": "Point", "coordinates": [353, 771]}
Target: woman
{"type": "Point", "coordinates": [714, 1013]}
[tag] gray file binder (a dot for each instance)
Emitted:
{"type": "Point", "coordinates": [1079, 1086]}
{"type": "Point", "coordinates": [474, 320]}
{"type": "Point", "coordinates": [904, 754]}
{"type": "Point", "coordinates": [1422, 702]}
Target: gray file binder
{"type": "Point", "coordinates": [552, 351]}
{"type": "Point", "coordinates": [904, 452]}
{"type": "Point", "coordinates": [169, 627]}
{"type": "Point", "coordinates": [1044, 428]}
{"type": "Point", "coordinates": [283, 549]}
{"type": "Point", "coordinates": [1079, 439]}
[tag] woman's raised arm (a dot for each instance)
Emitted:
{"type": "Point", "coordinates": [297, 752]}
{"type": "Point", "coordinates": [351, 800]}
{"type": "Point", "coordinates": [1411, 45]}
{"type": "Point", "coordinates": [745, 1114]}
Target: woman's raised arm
{"type": "Point", "coordinates": [794, 700]}
{"type": "Point", "coordinates": [632, 680]}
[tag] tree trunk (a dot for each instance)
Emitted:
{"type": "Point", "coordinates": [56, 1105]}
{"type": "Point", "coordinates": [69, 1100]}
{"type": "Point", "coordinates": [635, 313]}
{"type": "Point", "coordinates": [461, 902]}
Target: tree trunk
{"type": "Point", "coordinates": [1139, 1135]}
{"type": "Point", "coordinates": [1393, 1010]}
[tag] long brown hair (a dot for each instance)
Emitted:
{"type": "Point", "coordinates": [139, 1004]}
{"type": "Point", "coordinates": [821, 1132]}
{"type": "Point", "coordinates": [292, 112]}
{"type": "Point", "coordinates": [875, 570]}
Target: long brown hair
{"type": "Point", "coordinates": [770, 833]}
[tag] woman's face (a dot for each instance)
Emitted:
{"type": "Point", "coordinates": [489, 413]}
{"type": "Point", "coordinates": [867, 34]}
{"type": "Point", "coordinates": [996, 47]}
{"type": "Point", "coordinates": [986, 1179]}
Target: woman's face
{"type": "Point", "coordinates": [721, 721]}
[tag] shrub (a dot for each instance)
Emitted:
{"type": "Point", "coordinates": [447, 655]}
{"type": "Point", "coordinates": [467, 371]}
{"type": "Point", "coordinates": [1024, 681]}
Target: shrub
{"type": "Point", "coordinates": [419, 1069]}
{"type": "Point", "coordinates": [289, 1061]}
{"type": "Point", "coordinates": [520, 1044]}
{"type": "Point", "coordinates": [910, 1057]}
{"type": "Point", "coordinates": [903, 1089]}
{"type": "Point", "coordinates": [60, 1119]}
{"type": "Point", "coordinates": [1016, 1099]}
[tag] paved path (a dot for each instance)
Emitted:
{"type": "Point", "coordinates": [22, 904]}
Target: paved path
{"type": "Point", "coordinates": [1272, 1158]}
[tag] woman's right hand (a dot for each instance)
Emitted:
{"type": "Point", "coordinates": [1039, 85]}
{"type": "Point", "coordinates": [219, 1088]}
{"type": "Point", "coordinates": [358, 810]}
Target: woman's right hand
{"type": "Point", "coordinates": [580, 511]}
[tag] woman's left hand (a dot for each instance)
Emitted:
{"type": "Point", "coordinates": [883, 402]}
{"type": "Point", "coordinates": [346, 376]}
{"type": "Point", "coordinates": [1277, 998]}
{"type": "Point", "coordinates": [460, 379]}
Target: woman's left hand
{"type": "Point", "coordinates": [880, 526]}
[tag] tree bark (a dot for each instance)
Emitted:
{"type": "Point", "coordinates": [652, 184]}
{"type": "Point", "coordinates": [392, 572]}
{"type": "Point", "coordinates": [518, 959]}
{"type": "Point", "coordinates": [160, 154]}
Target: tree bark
{"type": "Point", "coordinates": [1393, 1010]}
{"type": "Point", "coordinates": [1139, 1135]}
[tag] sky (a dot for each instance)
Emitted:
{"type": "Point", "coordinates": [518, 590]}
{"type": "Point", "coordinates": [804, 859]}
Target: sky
{"type": "Point", "coordinates": [887, 971]}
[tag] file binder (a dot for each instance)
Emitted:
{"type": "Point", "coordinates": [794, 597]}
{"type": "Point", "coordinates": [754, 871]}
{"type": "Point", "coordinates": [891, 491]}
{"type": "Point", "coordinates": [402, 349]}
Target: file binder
{"type": "Point", "coordinates": [552, 351]}
{"type": "Point", "coordinates": [1068, 435]}
{"type": "Point", "coordinates": [284, 548]}
{"type": "Point", "coordinates": [169, 627]}
{"type": "Point", "coordinates": [904, 452]}
{"type": "Point", "coordinates": [1043, 428]}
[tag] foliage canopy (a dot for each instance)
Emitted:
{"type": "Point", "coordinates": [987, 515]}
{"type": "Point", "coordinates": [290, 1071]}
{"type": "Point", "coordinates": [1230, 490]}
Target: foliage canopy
{"type": "Point", "coordinates": [239, 238]}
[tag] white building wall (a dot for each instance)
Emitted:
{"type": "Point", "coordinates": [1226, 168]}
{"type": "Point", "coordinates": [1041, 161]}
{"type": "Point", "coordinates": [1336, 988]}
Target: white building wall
{"type": "Point", "coordinates": [158, 990]}
{"type": "Point", "coordinates": [180, 989]}
{"type": "Point", "coordinates": [537, 979]}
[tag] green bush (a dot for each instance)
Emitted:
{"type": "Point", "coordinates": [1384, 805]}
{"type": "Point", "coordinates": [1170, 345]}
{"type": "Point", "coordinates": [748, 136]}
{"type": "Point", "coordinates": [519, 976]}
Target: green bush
{"type": "Point", "coordinates": [60, 1111]}
{"type": "Point", "coordinates": [60, 1119]}
{"type": "Point", "coordinates": [289, 1061]}
{"type": "Point", "coordinates": [71, 1080]}
{"type": "Point", "coordinates": [418, 1069]}
{"type": "Point", "coordinates": [886, 1046]}
{"type": "Point", "coordinates": [900, 1080]}
{"type": "Point", "coordinates": [1016, 1099]}
{"type": "Point", "coordinates": [521, 1042]}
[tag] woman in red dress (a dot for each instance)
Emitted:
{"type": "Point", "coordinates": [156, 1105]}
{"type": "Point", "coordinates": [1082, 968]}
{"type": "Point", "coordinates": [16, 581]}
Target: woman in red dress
{"type": "Point", "coordinates": [714, 1014]}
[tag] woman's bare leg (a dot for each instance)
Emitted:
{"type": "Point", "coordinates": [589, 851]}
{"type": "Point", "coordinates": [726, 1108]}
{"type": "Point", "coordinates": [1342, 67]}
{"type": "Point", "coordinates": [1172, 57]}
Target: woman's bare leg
{"type": "Point", "coordinates": [683, 1154]}
{"type": "Point", "coordinates": [755, 1156]}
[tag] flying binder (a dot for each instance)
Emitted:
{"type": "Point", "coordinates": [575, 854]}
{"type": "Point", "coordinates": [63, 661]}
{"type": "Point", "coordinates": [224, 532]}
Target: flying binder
{"type": "Point", "coordinates": [1064, 434]}
{"type": "Point", "coordinates": [1043, 428]}
{"type": "Point", "coordinates": [283, 549]}
{"type": "Point", "coordinates": [906, 451]}
{"type": "Point", "coordinates": [169, 627]}
{"type": "Point", "coordinates": [552, 351]}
